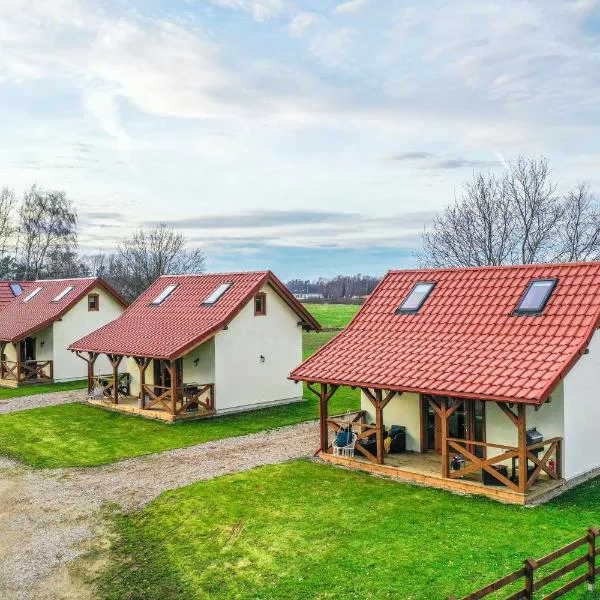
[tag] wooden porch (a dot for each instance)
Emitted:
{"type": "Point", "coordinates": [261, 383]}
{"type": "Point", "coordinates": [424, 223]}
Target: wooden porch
{"type": "Point", "coordinates": [15, 373]}
{"type": "Point", "coordinates": [174, 402]}
{"type": "Point", "coordinates": [520, 474]}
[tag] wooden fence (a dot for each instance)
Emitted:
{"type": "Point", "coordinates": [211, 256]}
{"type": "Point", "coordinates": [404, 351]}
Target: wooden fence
{"type": "Point", "coordinates": [528, 571]}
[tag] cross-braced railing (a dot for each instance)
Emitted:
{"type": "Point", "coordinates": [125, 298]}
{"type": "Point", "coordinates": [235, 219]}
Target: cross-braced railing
{"type": "Point", "coordinates": [28, 371]}
{"type": "Point", "coordinates": [187, 397]}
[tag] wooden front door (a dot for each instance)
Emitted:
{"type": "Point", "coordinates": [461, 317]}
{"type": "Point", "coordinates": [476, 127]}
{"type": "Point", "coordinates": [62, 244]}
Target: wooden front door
{"type": "Point", "coordinates": [466, 423]}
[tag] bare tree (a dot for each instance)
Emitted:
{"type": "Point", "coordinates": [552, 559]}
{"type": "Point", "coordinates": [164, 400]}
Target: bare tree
{"type": "Point", "coordinates": [7, 231]}
{"type": "Point", "coordinates": [47, 225]}
{"type": "Point", "coordinates": [476, 230]}
{"type": "Point", "coordinates": [580, 226]}
{"type": "Point", "coordinates": [517, 218]}
{"type": "Point", "coordinates": [152, 252]}
{"type": "Point", "coordinates": [536, 208]}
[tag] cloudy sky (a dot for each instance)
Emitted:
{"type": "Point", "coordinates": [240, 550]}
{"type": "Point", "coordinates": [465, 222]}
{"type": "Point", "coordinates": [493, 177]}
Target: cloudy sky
{"type": "Point", "coordinates": [309, 136]}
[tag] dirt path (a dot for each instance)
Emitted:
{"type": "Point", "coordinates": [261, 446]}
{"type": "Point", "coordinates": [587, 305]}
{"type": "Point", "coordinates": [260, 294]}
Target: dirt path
{"type": "Point", "coordinates": [47, 516]}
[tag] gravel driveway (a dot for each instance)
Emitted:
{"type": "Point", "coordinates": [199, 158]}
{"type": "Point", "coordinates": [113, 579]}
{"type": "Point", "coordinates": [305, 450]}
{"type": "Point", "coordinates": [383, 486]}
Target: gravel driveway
{"type": "Point", "coordinates": [38, 400]}
{"type": "Point", "coordinates": [47, 516]}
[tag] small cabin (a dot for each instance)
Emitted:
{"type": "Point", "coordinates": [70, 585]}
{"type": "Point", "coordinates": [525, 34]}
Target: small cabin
{"type": "Point", "coordinates": [198, 345]}
{"type": "Point", "coordinates": [38, 321]}
{"type": "Point", "coordinates": [475, 380]}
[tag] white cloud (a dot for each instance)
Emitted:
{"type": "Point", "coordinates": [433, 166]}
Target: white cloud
{"type": "Point", "coordinates": [351, 6]}
{"type": "Point", "coordinates": [262, 10]}
{"type": "Point", "coordinates": [303, 22]}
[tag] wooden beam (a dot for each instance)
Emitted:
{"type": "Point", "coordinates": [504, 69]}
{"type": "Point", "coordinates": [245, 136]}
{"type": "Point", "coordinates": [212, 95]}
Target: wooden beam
{"type": "Point", "coordinates": [458, 402]}
{"type": "Point", "coordinates": [142, 364]}
{"type": "Point", "coordinates": [367, 392]}
{"type": "Point", "coordinates": [18, 361]}
{"type": "Point", "coordinates": [444, 436]}
{"type": "Point", "coordinates": [389, 397]}
{"type": "Point", "coordinates": [323, 427]}
{"type": "Point", "coordinates": [115, 361]}
{"type": "Point", "coordinates": [522, 445]}
{"type": "Point", "coordinates": [508, 412]}
{"type": "Point", "coordinates": [379, 424]}
{"type": "Point", "coordinates": [172, 367]}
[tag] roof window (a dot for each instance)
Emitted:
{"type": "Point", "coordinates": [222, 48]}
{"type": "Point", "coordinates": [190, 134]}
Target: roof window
{"type": "Point", "coordinates": [216, 295]}
{"type": "Point", "coordinates": [416, 298]}
{"type": "Point", "coordinates": [32, 294]}
{"type": "Point", "coordinates": [536, 297]}
{"type": "Point", "coordinates": [64, 293]}
{"type": "Point", "coordinates": [16, 289]}
{"type": "Point", "coordinates": [163, 295]}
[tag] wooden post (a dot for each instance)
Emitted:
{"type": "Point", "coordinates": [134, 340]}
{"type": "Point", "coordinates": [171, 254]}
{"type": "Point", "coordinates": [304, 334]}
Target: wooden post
{"type": "Point", "coordinates": [173, 370]}
{"type": "Point", "coordinates": [522, 445]}
{"type": "Point", "coordinates": [2, 351]}
{"type": "Point", "coordinates": [323, 415]}
{"type": "Point", "coordinates": [142, 364]}
{"type": "Point", "coordinates": [92, 356]}
{"type": "Point", "coordinates": [18, 361]}
{"type": "Point", "coordinates": [558, 459]}
{"type": "Point", "coordinates": [444, 436]}
{"type": "Point", "coordinates": [592, 533]}
{"type": "Point", "coordinates": [115, 361]}
{"type": "Point", "coordinates": [379, 425]}
{"type": "Point", "coordinates": [530, 567]}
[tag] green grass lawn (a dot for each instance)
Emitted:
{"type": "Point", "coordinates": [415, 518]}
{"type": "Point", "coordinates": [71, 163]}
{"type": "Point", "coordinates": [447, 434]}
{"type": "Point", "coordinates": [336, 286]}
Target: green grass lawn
{"type": "Point", "coordinates": [75, 435]}
{"type": "Point", "coordinates": [333, 315]}
{"type": "Point", "coordinates": [29, 390]}
{"type": "Point", "coordinates": [314, 531]}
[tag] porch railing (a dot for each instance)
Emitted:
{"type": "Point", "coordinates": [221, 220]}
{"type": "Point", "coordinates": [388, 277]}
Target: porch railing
{"type": "Point", "coordinates": [188, 397]}
{"type": "Point", "coordinates": [104, 386]}
{"type": "Point", "coordinates": [28, 371]}
{"type": "Point", "coordinates": [548, 448]}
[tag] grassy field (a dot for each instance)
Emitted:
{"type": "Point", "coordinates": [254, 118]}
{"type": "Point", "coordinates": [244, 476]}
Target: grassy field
{"type": "Point", "coordinates": [333, 316]}
{"type": "Point", "coordinates": [29, 390]}
{"type": "Point", "coordinates": [314, 531]}
{"type": "Point", "coordinates": [75, 435]}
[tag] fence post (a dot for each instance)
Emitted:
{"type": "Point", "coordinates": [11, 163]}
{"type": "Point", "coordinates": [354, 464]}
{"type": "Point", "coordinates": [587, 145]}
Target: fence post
{"type": "Point", "coordinates": [592, 533]}
{"type": "Point", "coordinates": [530, 567]}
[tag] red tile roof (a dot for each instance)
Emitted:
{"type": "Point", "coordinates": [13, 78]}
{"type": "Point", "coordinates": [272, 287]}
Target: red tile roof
{"type": "Point", "coordinates": [20, 319]}
{"type": "Point", "coordinates": [6, 294]}
{"type": "Point", "coordinates": [465, 340]}
{"type": "Point", "coordinates": [181, 322]}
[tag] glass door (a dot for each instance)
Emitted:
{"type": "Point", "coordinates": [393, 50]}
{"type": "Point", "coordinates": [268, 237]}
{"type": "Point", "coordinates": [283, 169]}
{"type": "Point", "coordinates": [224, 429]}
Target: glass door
{"type": "Point", "coordinates": [467, 422]}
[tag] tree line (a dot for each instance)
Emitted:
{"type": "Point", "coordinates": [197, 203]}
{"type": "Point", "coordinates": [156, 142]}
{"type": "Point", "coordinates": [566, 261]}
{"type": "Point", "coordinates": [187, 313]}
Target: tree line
{"type": "Point", "coordinates": [39, 240]}
{"type": "Point", "coordinates": [517, 217]}
{"type": "Point", "coordinates": [339, 287]}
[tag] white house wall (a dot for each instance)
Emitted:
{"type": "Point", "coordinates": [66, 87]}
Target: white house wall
{"type": "Point", "coordinates": [582, 413]}
{"type": "Point", "coordinates": [242, 380]}
{"type": "Point", "coordinates": [401, 410]}
{"type": "Point", "coordinates": [75, 324]}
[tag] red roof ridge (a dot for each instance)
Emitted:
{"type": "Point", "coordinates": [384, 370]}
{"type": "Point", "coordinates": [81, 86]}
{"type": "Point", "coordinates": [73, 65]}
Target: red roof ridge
{"type": "Point", "coordinates": [494, 267]}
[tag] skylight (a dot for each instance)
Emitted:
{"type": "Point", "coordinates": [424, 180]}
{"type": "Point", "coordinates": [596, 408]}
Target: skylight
{"type": "Point", "coordinates": [16, 289]}
{"type": "Point", "coordinates": [32, 294]}
{"type": "Point", "coordinates": [64, 293]}
{"type": "Point", "coordinates": [164, 295]}
{"type": "Point", "coordinates": [216, 295]}
{"type": "Point", "coordinates": [417, 296]}
{"type": "Point", "coordinates": [536, 296]}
